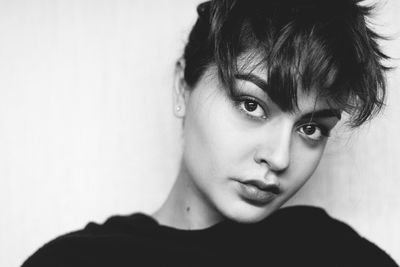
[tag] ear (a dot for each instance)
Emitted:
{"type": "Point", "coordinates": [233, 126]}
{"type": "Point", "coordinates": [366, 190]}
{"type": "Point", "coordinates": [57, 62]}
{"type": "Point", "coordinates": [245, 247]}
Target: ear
{"type": "Point", "coordinates": [180, 90]}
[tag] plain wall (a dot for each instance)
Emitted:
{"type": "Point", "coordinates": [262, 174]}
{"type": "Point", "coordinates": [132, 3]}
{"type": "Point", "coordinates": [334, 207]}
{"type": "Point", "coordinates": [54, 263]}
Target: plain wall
{"type": "Point", "coordinates": [87, 131]}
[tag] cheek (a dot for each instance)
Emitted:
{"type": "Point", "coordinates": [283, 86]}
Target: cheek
{"type": "Point", "coordinates": [212, 145]}
{"type": "Point", "coordinates": [304, 161]}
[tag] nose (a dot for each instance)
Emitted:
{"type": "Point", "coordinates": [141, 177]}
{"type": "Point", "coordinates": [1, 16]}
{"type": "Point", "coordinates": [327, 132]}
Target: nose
{"type": "Point", "coordinates": [274, 147]}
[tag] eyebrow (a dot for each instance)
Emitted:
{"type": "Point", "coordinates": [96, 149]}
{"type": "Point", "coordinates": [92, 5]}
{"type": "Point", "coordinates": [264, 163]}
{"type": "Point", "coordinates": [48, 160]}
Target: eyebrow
{"type": "Point", "coordinates": [262, 84]}
{"type": "Point", "coordinates": [253, 79]}
{"type": "Point", "coordinates": [323, 113]}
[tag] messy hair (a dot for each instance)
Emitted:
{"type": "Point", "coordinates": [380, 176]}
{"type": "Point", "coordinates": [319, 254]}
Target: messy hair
{"type": "Point", "coordinates": [324, 45]}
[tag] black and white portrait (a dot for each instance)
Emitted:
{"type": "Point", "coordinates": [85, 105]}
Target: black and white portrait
{"type": "Point", "coordinates": [199, 133]}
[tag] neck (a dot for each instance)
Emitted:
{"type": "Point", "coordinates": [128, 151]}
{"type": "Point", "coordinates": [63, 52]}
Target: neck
{"type": "Point", "coordinates": [186, 207]}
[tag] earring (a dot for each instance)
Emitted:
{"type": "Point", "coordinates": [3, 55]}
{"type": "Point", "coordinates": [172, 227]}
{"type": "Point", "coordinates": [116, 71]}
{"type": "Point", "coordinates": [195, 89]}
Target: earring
{"type": "Point", "coordinates": [178, 108]}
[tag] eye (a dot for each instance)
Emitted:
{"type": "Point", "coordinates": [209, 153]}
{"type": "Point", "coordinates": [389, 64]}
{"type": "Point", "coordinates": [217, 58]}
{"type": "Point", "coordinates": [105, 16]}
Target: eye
{"type": "Point", "coordinates": [252, 108]}
{"type": "Point", "coordinates": [313, 131]}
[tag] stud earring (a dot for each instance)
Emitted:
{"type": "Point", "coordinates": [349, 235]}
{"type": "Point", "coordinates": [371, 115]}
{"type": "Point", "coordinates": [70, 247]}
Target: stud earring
{"type": "Point", "coordinates": [178, 108]}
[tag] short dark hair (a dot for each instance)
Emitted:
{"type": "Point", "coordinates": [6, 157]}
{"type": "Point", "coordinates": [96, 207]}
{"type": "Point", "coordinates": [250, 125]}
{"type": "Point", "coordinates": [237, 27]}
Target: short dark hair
{"type": "Point", "coordinates": [323, 44]}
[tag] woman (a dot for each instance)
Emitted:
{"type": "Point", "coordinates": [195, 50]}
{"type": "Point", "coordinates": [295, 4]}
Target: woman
{"type": "Point", "coordinates": [259, 88]}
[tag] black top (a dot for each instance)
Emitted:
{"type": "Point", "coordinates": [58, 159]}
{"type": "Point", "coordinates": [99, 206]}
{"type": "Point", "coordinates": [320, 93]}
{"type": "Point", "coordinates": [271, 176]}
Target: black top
{"type": "Point", "coordinates": [294, 236]}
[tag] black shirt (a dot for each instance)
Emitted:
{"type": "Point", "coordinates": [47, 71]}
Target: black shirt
{"type": "Point", "coordinates": [294, 236]}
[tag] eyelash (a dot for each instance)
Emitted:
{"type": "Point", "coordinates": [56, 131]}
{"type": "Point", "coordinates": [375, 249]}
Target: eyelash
{"type": "Point", "coordinates": [242, 99]}
{"type": "Point", "coordinates": [325, 132]}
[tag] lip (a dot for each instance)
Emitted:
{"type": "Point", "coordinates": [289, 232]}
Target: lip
{"type": "Point", "coordinates": [257, 192]}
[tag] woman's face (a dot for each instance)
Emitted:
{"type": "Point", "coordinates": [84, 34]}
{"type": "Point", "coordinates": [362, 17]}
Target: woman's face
{"type": "Point", "coordinates": [245, 156]}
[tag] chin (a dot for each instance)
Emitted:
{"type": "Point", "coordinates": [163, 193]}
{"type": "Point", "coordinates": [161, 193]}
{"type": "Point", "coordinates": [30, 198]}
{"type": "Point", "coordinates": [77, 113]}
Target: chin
{"type": "Point", "coordinates": [246, 213]}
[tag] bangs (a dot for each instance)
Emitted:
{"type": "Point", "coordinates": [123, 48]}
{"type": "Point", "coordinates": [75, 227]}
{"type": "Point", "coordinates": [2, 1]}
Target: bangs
{"type": "Point", "coordinates": [297, 60]}
{"type": "Point", "coordinates": [327, 49]}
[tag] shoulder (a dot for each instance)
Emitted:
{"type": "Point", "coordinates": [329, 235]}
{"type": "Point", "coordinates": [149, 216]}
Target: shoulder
{"type": "Point", "coordinates": [90, 245]}
{"type": "Point", "coordinates": [312, 231]}
{"type": "Point", "coordinates": [307, 223]}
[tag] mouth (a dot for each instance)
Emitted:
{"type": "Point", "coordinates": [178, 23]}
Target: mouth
{"type": "Point", "coordinates": [257, 192]}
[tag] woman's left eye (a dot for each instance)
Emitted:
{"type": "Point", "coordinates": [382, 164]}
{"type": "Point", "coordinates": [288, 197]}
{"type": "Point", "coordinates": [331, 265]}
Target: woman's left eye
{"type": "Point", "coordinates": [313, 132]}
{"type": "Point", "coordinates": [252, 108]}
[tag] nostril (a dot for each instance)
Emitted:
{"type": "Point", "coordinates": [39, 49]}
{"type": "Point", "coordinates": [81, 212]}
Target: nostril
{"type": "Point", "coordinates": [280, 171]}
{"type": "Point", "coordinates": [279, 167]}
{"type": "Point", "coordinates": [278, 163]}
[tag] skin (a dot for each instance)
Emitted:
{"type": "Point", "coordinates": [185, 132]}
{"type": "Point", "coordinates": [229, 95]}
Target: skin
{"type": "Point", "coordinates": [229, 141]}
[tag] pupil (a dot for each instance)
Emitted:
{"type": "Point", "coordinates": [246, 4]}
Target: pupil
{"type": "Point", "coordinates": [309, 129]}
{"type": "Point", "coordinates": [250, 106]}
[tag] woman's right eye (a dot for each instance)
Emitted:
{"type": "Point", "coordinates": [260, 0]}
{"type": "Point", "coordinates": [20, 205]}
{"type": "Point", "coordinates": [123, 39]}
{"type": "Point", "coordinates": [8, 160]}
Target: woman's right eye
{"type": "Point", "coordinates": [252, 108]}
